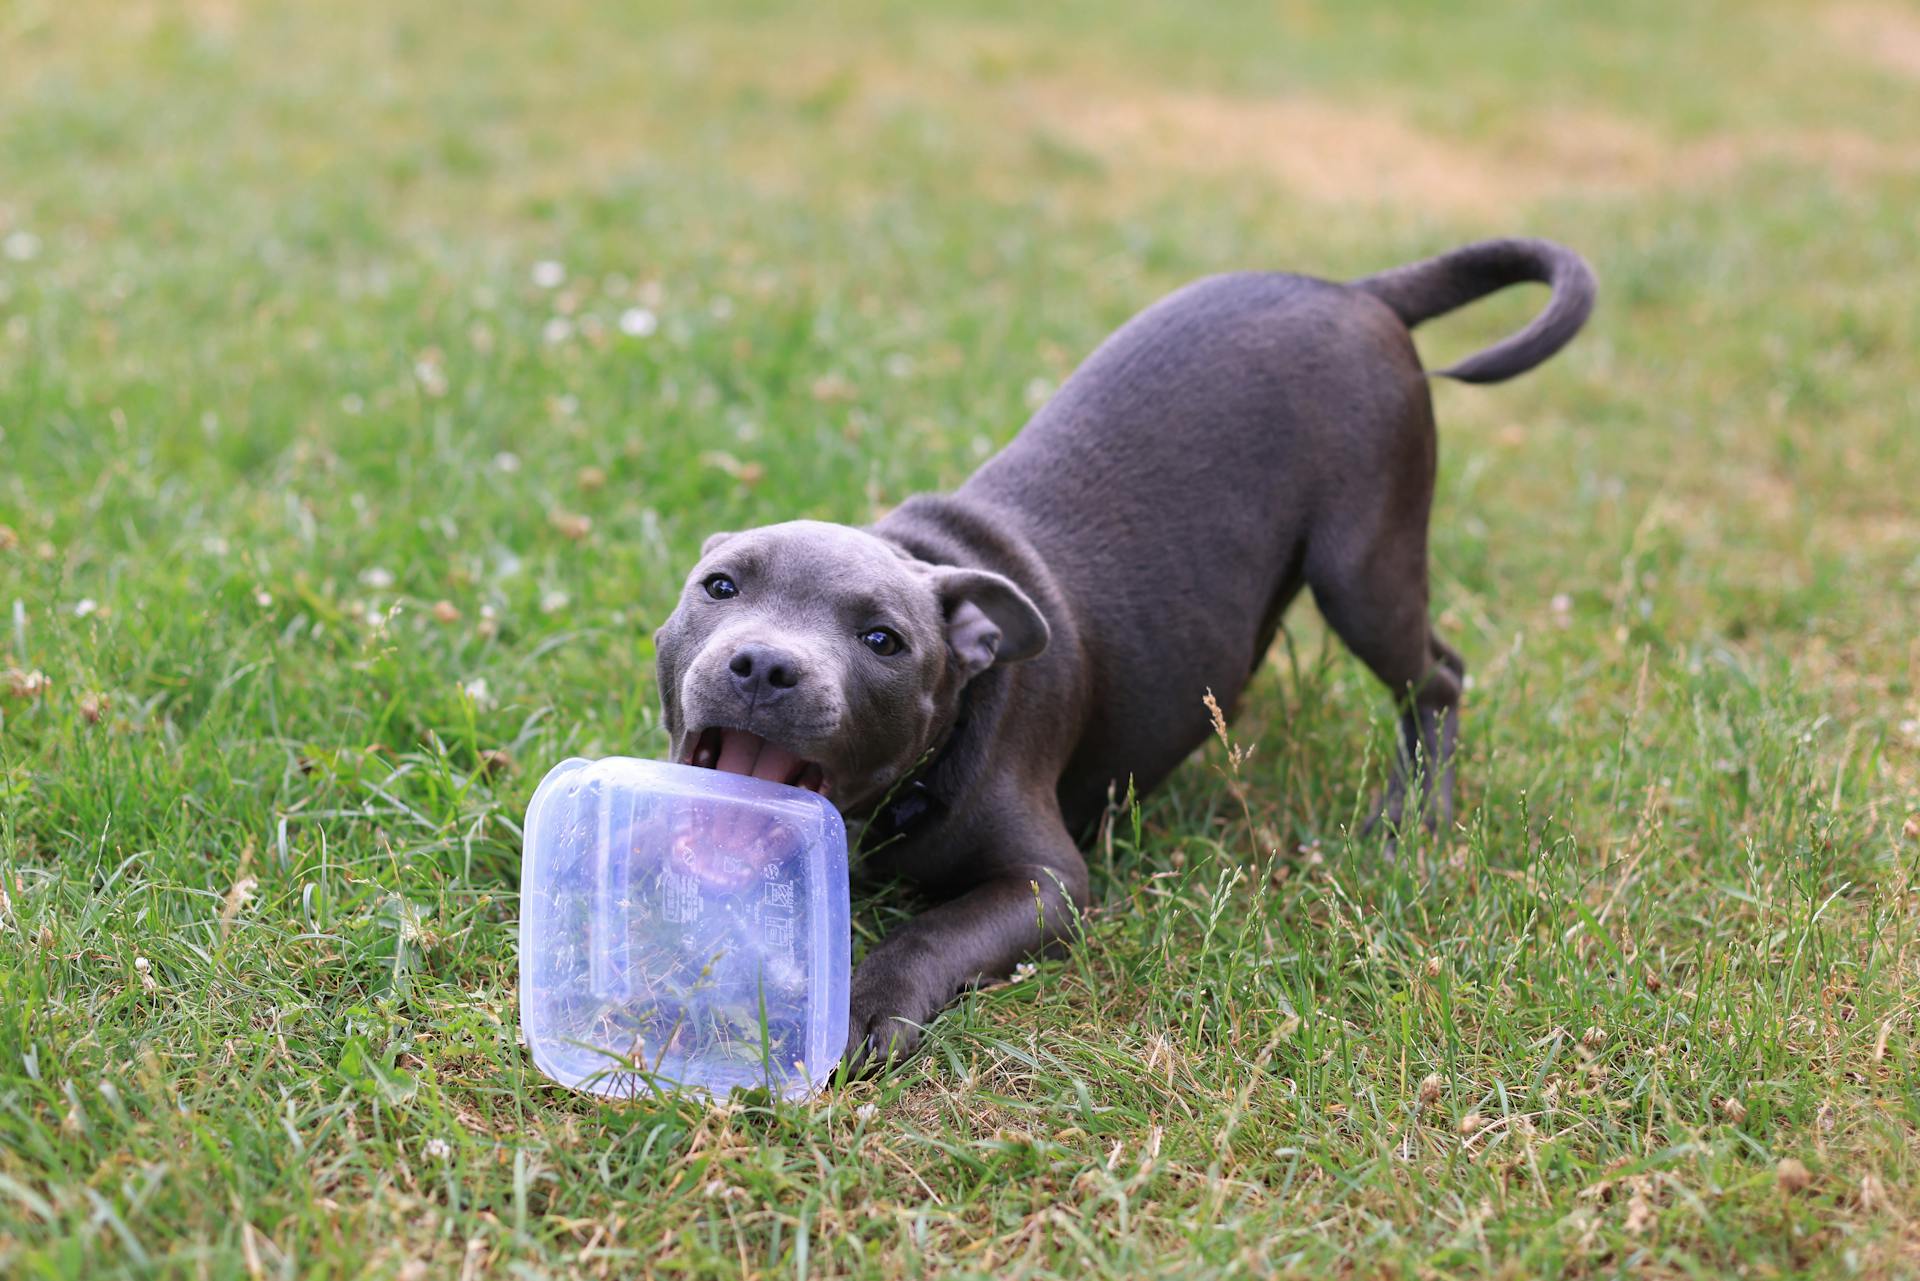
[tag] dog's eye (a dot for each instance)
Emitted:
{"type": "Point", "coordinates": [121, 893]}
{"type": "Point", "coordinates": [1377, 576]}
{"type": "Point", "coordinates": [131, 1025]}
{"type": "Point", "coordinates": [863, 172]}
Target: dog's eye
{"type": "Point", "coordinates": [881, 641]}
{"type": "Point", "coordinates": [720, 587]}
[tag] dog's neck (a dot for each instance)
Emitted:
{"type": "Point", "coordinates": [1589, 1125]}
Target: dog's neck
{"type": "Point", "coordinates": [937, 529]}
{"type": "Point", "coordinates": [927, 792]}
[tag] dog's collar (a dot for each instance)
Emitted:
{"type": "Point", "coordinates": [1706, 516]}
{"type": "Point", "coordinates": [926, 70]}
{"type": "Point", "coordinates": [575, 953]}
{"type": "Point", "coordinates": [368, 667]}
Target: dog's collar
{"type": "Point", "coordinates": [912, 804]}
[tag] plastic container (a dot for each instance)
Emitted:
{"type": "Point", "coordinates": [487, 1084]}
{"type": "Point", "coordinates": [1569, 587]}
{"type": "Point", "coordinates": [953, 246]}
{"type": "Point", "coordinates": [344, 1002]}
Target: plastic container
{"type": "Point", "coordinates": [682, 928]}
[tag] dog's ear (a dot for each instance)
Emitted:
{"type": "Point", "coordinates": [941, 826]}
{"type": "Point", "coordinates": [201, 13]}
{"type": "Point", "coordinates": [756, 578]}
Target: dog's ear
{"type": "Point", "coordinates": [712, 544]}
{"type": "Point", "coordinates": [989, 620]}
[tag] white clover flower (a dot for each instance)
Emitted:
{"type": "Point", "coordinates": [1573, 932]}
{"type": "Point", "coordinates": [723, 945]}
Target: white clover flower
{"type": "Point", "coordinates": [21, 246]}
{"type": "Point", "coordinates": [639, 322]}
{"type": "Point", "coordinates": [549, 274]}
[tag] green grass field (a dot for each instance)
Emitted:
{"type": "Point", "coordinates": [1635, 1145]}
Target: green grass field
{"type": "Point", "coordinates": [370, 374]}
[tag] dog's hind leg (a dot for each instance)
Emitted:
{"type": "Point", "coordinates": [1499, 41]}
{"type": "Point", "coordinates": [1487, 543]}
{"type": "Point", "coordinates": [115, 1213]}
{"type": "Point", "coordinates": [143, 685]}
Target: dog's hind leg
{"type": "Point", "coordinates": [1425, 676]}
{"type": "Point", "coordinates": [1370, 582]}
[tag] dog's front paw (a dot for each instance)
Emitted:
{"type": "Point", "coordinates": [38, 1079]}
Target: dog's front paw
{"type": "Point", "coordinates": [877, 1040]}
{"type": "Point", "coordinates": [887, 1016]}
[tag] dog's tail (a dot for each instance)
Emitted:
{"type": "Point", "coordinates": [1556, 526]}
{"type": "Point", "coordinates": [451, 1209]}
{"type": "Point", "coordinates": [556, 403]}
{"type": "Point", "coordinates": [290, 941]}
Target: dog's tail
{"type": "Point", "coordinates": [1422, 290]}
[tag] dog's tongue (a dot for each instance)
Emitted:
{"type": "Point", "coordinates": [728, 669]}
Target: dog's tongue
{"type": "Point", "coordinates": [776, 763]}
{"type": "Point", "coordinates": [738, 751]}
{"type": "Point", "coordinates": [745, 753]}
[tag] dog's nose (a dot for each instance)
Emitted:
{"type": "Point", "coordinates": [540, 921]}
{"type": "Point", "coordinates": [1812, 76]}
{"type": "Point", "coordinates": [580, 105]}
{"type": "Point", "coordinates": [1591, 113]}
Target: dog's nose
{"type": "Point", "coordinates": [761, 671]}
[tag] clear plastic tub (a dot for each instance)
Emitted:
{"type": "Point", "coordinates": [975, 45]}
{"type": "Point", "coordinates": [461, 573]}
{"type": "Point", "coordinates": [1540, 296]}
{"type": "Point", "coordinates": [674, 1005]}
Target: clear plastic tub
{"type": "Point", "coordinates": [682, 928]}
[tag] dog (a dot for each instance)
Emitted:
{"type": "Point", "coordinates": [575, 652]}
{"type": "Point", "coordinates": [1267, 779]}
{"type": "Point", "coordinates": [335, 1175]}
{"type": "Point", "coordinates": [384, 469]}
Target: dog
{"type": "Point", "coordinates": [970, 676]}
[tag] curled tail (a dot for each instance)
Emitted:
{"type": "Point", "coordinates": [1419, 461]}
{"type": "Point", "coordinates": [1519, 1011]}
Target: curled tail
{"type": "Point", "coordinates": [1422, 290]}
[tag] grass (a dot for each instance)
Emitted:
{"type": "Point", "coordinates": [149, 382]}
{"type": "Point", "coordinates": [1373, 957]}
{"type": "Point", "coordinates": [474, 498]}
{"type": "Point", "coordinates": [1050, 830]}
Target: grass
{"type": "Point", "coordinates": [332, 519]}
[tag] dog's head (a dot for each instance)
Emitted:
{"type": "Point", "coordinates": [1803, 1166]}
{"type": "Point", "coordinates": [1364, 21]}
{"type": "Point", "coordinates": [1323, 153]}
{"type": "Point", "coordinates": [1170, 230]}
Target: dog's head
{"type": "Point", "coordinates": [826, 657]}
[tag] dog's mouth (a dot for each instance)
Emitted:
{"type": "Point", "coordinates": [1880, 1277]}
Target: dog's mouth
{"type": "Point", "coordinates": [739, 751]}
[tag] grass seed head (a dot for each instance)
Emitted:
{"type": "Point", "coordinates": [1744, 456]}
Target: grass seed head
{"type": "Point", "coordinates": [1218, 717]}
{"type": "Point", "coordinates": [236, 901]}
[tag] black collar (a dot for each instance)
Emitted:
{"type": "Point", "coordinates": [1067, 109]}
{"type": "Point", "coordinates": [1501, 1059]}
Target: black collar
{"type": "Point", "coordinates": [912, 803]}
{"type": "Point", "coordinates": [907, 809]}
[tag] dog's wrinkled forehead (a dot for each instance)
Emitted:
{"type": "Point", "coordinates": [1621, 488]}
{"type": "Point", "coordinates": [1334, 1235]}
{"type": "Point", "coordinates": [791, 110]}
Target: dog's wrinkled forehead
{"type": "Point", "coordinates": [813, 561]}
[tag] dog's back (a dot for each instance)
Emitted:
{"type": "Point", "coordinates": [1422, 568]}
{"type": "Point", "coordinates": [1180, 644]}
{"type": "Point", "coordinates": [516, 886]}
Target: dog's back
{"type": "Point", "coordinates": [1171, 485]}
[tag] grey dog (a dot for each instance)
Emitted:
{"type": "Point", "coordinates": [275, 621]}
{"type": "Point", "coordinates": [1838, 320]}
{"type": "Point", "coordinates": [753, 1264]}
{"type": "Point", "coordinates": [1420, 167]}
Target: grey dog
{"type": "Point", "coordinates": [973, 673]}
